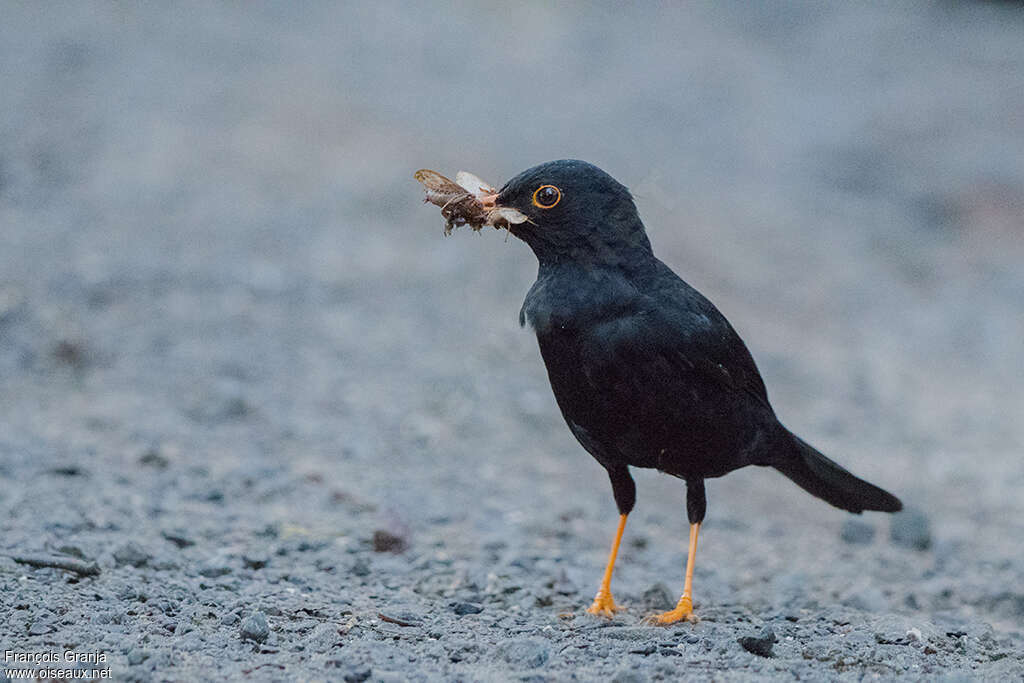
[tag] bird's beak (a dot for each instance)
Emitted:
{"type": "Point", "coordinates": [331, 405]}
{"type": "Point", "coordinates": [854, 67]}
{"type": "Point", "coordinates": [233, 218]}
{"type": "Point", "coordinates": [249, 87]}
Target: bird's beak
{"type": "Point", "coordinates": [500, 216]}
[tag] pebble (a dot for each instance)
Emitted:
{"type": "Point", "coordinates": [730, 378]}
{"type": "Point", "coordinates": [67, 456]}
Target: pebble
{"type": "Point", "coordinates": [759, 645]}
{"type": "Point", "coordinates": [387, 542]}
{"type": "Point", "coordinates": [137, 656]}
{"type": "Point", "coordinates": [254, 627]}
{"type": "Point", "coordinates": [213, 571]}
{"type": "Point", "coordinates": [323, 638]}
{"type": "Point", "coordinates": [528, 653]}
{"type": "Point", "coordinates": [911, 529]}
{"type": "Point", "coordinates": [131, 554]}
{"type": "Point", "coordinates": [357, 675]}
{"type": "Point", "coordinates": [178, 537]}
{"type": "Point", "coordinates": [40, 628]}
{"type": "Point", "coordinates": [857, 532]}
{"type": "Point", "coordinates": [153, 457]}
{"type": "Point", "coordinates": [255, 560]}
{"type": "Point", "coordinates": [464, 608]}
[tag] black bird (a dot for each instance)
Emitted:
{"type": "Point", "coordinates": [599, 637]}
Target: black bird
{"type": "Point", "coordinates": [646, 371]}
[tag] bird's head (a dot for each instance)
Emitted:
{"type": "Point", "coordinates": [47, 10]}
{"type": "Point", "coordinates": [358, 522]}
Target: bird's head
{"type": "Point", "coordinates": [573, 210]}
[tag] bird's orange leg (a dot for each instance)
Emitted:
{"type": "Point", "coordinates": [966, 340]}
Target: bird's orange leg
{"type": "Point", "coordinates": [604, 605]}
{"type": "Point", "coordinates": [684, 608]}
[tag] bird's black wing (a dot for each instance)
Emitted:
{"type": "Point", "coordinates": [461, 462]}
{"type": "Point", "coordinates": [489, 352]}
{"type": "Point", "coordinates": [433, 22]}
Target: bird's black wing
{"type": "Point", "coordinates": [667, 337]}
{"type": "Point", "coordinates": [670, 384]}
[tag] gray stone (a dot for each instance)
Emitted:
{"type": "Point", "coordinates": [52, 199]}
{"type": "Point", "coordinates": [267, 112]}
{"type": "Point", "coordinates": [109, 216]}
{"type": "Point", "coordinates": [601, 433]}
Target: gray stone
{"type": "Point", "coordinates": [178, 537]}
{"type": "Point", "coordinates": [357, 675]}
{"type": "Point", "coordinates": [215, 570]}
{"type": "Point", "coordinates": [324, 638]}
{"type": "Point", "coordinates": [255, 560]}
{"type": "Point", "coordinates": [760, 645]}
{"type": "Point", "coordinates": [528, 653]}
{"type": "Point", "coordinates": [464, 608]}
{"type": "Point", "coordinates": [254, 627]}
{"type": "Point", "coordinates": [131, 554]}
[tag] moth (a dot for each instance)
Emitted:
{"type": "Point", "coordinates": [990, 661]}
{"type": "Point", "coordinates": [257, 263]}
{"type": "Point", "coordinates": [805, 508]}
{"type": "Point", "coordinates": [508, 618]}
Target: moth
{"type": "Point", "coordinates": [462, 201]}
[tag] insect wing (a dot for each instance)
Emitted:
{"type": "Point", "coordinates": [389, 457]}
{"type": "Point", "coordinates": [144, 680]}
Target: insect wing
{"type": "Point", "coordinates": [473, 184]}
{"type": "Point", "coordinates": [435, 182]}
{"type": "Point", "coordinates": [511, 215]}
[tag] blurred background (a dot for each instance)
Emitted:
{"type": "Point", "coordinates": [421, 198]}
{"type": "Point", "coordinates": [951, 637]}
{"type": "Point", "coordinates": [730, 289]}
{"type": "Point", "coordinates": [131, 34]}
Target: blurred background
{"type": "Point", "coordinates": [213, 254]}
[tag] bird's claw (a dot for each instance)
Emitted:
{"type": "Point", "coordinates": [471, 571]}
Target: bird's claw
{"type": "Point", "coordinates": [604, 605]}
{"type": "Point", "coordinates": [683, 611]}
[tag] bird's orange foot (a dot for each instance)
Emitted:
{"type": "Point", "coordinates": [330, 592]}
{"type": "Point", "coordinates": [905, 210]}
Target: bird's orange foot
{"type": "Point", "coordinates": [604, 605]}
{"type": "Point", "coordinates": [682, 612]}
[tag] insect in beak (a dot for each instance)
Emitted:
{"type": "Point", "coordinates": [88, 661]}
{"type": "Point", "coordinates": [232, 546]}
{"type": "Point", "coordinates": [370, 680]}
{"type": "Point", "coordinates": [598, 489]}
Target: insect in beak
{"type": "Point", "coordinates": [489, 201]}
{"type": "Point", "coordinates": [467, 201]}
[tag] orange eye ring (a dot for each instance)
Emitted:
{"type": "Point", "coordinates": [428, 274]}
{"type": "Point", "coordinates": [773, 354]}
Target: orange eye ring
{"type": "Point", "coordinates": [539, 199]}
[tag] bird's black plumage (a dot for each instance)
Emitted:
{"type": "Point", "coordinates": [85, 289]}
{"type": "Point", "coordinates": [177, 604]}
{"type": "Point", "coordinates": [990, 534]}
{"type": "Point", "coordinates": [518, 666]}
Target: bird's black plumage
{"type": "Point", "coordinates": [646, 371]}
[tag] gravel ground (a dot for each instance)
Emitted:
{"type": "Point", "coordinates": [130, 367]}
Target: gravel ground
{"type": "Point", "coordinates": [275, 427]}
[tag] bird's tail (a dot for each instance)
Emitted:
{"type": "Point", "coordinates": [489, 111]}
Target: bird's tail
{"type": "Point", "coordinates": [821, 477]}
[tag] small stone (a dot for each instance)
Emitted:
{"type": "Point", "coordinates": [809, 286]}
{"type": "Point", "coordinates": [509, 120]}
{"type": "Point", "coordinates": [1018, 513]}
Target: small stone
{"type": "Point", "coordinates": [759, 645]}
{"type": "Point", "coordinates": [528, 653]}
{"type": "Point", "coordinates": [360, 568]}
{"type": "Point", "coordinates": [137, 656]}
{"type": "Point", "coordinates": [72, 550]}
{"type": "Point", "coordinates": [71, 352]}
{"type": "Point", "coordinates": [131, 554]}
{"type": "Point", "coordinates": [178, 537]}
{"type": "Point", "coordinates": [255, 628]}
{"type": "Point", "coordinates": [164, 564]}
{"type": "Point", "coordinates": [153, 457]}
{"type": "Point", "coordinates": [464, 608]}
{"type": "Point", "coordinates": [213, 571]}
{"type": "Point", "coordinates": [911, 529]}
{"type": "Point", "coordinates": [68, 470]}
{"type": "Point", "coordinates": [857, 532]}
{"type": "Point", "coordinates": [387, 542]}
{"type": "Point", "coordinates": [40, 628]}
{"type": "Point", "coordinates": [255, 560]}
{"type": "Point", "coordinates": [357, 675]}
{"type": "Point", "coordinates": [272, 530]}
{"type": "Point", "coordinates": [323, 638]}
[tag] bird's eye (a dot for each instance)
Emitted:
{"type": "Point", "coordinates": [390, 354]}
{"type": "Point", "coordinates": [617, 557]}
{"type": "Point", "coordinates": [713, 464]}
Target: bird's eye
{"type": "Point", "coordinates": [546, 196]}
